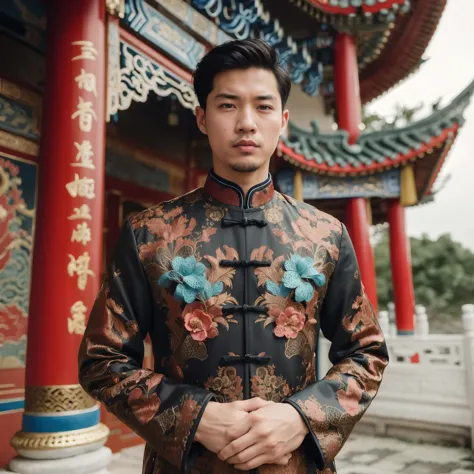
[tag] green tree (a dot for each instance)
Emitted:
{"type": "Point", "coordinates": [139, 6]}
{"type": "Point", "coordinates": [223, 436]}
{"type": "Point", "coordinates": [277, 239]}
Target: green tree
{"type": "Point", "coordinates": [443, 277]}
{"type": "Point", "coordinates": [401, 116]}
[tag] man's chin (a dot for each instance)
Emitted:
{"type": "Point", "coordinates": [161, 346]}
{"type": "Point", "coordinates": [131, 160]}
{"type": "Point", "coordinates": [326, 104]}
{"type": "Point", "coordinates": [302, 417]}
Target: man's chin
{"type": "Point", "coordinates": [245, 167]}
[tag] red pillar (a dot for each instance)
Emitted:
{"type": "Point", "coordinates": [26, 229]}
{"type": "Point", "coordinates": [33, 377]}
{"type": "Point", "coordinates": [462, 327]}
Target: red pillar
{"type": "Point", "coordinates": [358, 227]}
{"type": "Point", "coordinates": [346, 83]}
{"type": "Point", "coordinates": [68, 239]}
{"type": "Point", "coordinates": [349, 116]}
{"type": "Point", "coordinates": [400, 258]}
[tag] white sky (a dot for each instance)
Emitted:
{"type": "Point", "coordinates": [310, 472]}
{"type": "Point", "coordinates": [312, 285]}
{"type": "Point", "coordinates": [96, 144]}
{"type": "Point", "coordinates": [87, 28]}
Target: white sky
{"type": "Point", "coordinates": [449, 69]}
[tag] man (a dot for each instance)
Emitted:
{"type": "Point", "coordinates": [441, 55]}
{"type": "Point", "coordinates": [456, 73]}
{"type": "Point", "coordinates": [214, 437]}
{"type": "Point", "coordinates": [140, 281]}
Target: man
{"type": "Point", "coordinates": [233, 282]}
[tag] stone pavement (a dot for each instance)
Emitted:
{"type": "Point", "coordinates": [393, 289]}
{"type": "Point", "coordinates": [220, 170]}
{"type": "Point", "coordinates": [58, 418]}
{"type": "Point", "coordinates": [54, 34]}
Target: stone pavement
{"type": "Point", "coordinates": [361, 455]}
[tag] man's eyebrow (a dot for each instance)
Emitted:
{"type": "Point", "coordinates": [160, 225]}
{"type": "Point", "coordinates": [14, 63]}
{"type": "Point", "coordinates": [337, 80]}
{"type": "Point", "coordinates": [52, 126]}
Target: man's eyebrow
{"type": "Point", "coordinates": [223, 95]}
{"type": "Point", "coordinates": [266, 97]}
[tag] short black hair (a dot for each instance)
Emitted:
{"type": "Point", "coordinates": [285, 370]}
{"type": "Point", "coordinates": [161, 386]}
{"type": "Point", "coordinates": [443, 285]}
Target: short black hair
{"type": "Point", "coordinates": [239, 54]}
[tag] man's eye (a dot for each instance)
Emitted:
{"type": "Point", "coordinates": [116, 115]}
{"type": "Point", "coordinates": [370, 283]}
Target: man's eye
{"type": "Point", "coordinates": [226, 106]}
{"type": "Point", "coordinates": [265, 107]}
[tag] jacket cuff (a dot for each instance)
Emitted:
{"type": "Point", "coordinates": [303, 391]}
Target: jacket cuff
{"type": "Point", "coordinates": [192, 450]}
{"type": "Point", "coordinates": [311, 443]}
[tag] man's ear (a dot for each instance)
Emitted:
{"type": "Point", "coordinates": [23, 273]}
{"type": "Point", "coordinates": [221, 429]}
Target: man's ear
{"type": "Point", "coordinates": [201, 119]}
{"type": "Point", "coordinates": [284, 121]}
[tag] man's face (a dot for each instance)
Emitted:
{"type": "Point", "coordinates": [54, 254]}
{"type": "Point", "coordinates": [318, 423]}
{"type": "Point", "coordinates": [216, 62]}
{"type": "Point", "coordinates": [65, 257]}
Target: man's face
{"type": "Point", "coordinates": [243, 119]}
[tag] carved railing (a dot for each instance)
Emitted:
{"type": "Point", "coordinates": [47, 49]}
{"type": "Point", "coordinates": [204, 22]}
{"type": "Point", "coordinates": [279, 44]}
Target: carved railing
{"type": "Point", "coordinates": [429, 380]}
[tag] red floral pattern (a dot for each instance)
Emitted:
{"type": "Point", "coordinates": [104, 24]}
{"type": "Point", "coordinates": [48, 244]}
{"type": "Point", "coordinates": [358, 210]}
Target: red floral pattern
{"type": "Point", "coordinates": [200, 325]}
{"type": "Point", "coordinates": [289, 323]}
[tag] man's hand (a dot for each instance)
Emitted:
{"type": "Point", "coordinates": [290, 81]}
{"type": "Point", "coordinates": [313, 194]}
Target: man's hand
{"type": "Point", "coordinates": [271, 432]}
{"type": "Point", "coordinates": [218, 418]}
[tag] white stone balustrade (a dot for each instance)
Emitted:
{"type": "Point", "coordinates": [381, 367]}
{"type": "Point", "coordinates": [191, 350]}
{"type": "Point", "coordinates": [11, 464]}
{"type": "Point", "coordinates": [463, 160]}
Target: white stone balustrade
{"type": "Point", "coordinates": [428, 385]}
{"type": "Point", "coordinates": [468, 325]}
{"type": "Point", "coordinates": [422, 327]}
{"type": "Point", "coordinates": [384, 322]}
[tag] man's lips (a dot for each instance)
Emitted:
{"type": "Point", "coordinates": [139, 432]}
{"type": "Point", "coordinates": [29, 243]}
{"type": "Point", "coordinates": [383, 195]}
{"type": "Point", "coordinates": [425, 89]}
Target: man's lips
{"type": "Point", "coordinates": [246, 145]}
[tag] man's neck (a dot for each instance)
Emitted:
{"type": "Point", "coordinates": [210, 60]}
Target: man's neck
{"type": "Point", "coordinates": [244, 180]}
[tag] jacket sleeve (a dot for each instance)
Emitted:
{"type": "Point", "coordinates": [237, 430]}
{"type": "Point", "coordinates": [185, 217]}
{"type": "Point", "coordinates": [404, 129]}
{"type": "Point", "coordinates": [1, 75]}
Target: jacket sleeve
{"type": "Point", "coordinates": [332, 406]}
{"type": "Point", "coordinates": [164, 412]}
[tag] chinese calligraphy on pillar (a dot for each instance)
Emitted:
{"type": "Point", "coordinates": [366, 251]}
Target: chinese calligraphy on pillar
{"type": "Point", "coordinates": [82, 187]}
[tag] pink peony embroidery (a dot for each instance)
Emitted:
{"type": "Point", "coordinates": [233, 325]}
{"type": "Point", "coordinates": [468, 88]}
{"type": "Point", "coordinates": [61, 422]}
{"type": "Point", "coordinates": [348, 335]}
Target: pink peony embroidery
{"type": "Point", "coordinates": [289, 323]}
{"type": "Point", "coordinates": [200, 325]}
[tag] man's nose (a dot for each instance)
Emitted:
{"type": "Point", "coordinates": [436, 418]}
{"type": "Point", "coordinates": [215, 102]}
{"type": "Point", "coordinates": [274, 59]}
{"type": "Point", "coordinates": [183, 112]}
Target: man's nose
{"type": "Point", "coordinates": [246, 121]}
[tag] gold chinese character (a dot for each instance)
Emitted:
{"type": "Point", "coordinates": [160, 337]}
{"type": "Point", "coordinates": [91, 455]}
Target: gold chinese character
{"type": "Point", "coordinates": [80, 267]}
{"type": "Point", "coordinates": [82, 187]}
{"type": "Point", "coordinates": [84, 155]}
{"type": "Point", "coordinates": [82, 234]}
{"type": "Point", "coordinates": [87, 81]}
{"type": "Point", "coordinates": [86, 114]}
{"type": "Point", "coordinates": [87, 50]}
{"type": "Point", "coordinates": [82, 212]}
{"type": "Point", "coordinates": [76, 324]}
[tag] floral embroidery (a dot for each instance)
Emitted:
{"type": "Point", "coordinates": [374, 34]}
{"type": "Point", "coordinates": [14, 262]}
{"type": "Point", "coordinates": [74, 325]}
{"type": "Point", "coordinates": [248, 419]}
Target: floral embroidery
{"type": "Point", "coordinates": [297, 270]}
{"type": "Point", "coordinates": [214, 213]}
{"type": "Point", "coordinates": [267, 385]}
{"type": "Point", "coordinates": [330, 424]}
{"type": "Point", "coordinates": [274, 215]}
{"type": "Point", "coordinates": [143, 407]}
{"type": "Point", "coordinates": [203, 317]}
{"type": "Point", "coordinates": [289, 323]}
{"type": "Point", "coordinates": [200, 325]}
{"type": "Point", "coordinates": [176, 423]}
{"type": "Point", "coordinates": [192, 283]}
{"type": "Point", "coordinates": [227, 385]}
{"type": "Point", "coordinates": [189, 333]}
{"type": "Point", "coordinates": [362, 322]}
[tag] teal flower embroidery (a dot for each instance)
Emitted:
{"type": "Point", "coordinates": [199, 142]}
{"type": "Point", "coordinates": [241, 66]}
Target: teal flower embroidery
{"type": "Point", "coordinates": [297, 271]}
{"type": "Point", "coordinates": [191, 278]}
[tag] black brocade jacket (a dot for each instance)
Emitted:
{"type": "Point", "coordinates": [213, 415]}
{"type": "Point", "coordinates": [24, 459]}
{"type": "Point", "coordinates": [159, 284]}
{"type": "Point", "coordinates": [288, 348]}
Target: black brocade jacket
{"type": "Point", "coordinates": [233, 292]}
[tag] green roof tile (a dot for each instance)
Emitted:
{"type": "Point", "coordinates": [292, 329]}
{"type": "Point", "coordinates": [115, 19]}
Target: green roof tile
{"type": "Point", "coordinates": [333, 149]}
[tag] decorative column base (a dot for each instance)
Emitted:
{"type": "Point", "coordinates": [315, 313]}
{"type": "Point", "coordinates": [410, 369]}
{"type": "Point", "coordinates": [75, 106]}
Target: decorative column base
{"type": "Point", "coordinates": [61, 433]}
{"type": "Point", "coordinates": [61, 444]}
{"type": "Point", "coordinates": [94, 462]}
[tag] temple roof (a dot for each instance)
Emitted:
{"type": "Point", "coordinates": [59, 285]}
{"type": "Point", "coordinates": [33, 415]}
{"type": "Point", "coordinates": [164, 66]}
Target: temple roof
{"type": "Point", "coordinates": [243, 19]}
{"type": "Point", "coordinates": [401, 51]}
{"type": "Point", "coordinates": [376, 151]}
{"type": "Point", "coordinates": [392, 36]}
{"type": "Point", "coordinates": [352, 8]}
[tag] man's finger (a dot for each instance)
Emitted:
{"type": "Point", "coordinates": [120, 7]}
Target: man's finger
{"type": "Point", "coordinates": [233, 449]}
{"type": "Point", "coordinates": [239, 429]}
{"type": "Point", "coordinates": [261, 460]}
{"type": "Point", "coordinates": [283, 461]}
{"type": "Point", "coordinates": [256, 462]}
{"type": "Point", "coordinates": [251, 404]}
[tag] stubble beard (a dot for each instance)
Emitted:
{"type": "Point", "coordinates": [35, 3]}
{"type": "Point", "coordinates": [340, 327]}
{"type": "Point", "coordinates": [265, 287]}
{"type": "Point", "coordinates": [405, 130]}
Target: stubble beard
{"type": "Point", "coordinates": [244, 167]}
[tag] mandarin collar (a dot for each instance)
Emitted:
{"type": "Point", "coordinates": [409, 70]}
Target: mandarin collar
{"type": "Point", "coordinates": [231, 193]}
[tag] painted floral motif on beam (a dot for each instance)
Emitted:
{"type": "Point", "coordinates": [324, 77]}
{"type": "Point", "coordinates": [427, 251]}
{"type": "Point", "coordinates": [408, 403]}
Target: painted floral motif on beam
{"type": "Point", "coordinates": [17, 216]}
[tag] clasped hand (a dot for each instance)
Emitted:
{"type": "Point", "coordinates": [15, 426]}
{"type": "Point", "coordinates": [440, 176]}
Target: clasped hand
{"type": "Point", "coordinates": [251, 433]}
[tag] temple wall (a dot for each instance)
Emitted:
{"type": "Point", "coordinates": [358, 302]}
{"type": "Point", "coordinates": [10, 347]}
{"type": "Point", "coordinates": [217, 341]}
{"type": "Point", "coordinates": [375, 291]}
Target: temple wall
{"type": "Point", "coordinates": [304, 108]}
{"type": "Point", "coordinates": [19, 136]}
